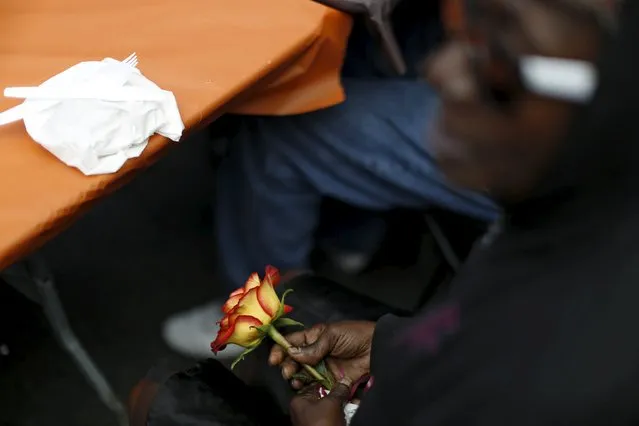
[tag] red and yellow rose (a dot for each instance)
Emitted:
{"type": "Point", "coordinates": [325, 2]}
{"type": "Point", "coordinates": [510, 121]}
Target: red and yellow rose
{"type": "Point", "coordinates": [254, 305]}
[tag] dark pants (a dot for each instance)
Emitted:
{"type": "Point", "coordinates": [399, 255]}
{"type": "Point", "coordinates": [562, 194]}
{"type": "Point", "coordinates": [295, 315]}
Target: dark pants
{"type": "Point", "coordinates": [370, 152]}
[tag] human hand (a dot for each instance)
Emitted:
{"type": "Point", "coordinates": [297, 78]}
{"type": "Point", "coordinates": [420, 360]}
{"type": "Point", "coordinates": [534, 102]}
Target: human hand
{"type": "Point", "coordinates": [308, 409]}
{"type": "Point", "coordinates": [344, 346]}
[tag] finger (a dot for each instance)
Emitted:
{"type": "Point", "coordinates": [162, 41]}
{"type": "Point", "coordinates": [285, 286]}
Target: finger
{"type": "Point", "coordinates": [341, 391]}
{"type": "Point", "coordinates": [316, 346]}
{"type": "Point", "coordinates": [301, 402]}
{"type": "Point", "coordinates": [289, 367]}
{"type": "Point", "coordinates": [311, 392]}
{"type": "Point", "coordinates": [297, 384]}
{"type": "Point", "coordinates": [298, 340]}
{"type": "Point", "coordinates": [313, 334]}
{"type": "Point", "coordinates": [336, 370]}
{"type": "Point", "coordinates": [277, 355]}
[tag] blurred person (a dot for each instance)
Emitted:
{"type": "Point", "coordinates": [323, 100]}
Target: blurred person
{"type": "Point", "coordinates": [368, 152]}
{"type": "Point", "coordinates": [539, 327]}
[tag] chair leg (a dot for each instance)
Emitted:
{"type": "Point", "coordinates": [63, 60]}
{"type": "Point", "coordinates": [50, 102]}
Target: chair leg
{"type": "Point", "coordinates": [443, 242]}
{"type": "Point", "coordinates": [54, 311]}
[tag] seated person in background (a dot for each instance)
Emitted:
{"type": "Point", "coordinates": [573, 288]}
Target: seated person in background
{"type": "Point", "coordinates": [540, 327]}
{"type": "Point", "coordinates": [368, 152]}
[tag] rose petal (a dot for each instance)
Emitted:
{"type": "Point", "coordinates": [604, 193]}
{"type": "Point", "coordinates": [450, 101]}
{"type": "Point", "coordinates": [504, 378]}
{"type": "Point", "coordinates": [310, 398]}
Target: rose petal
{"type": "Point", "coordinates": [223, 335]}
{"type": "Point", "coordinates": [216, 349]}
{"type": "Point", "coordinates": [252, 282]}
{"type": "Point", "coordinates": [250, 305]}
{"type": "Point", "coordinates": [272, 274]}
{"type": "Point", "coordinates": [224, 322]}
{"type": "Point", "coordinates": [244, 332]}
{"type": "Point", "coordinates": [254, 304]}
{"type": "Point", "coordinates": [288, 309]}
{"type": "Point", "coordinates": [240, 291]}
{"type": "Point", "coordinates": [268, 299]}
{"type": "Point", "coordinates": [232, 303]}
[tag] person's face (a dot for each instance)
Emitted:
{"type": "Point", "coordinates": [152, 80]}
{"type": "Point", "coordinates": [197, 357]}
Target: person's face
{"type": "Point", "coordinates": [505, 147]}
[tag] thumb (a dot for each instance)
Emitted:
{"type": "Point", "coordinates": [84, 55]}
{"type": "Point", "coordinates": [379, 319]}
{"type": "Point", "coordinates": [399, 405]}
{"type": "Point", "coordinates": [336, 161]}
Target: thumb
{"type": "Point", "coordinates": [311, 354]}
{"type": "Point", "coordinates": [341, 391]}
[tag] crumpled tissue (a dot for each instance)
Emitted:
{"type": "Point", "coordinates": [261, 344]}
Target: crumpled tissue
{"type": "Point", "coordinates": [98, 136]}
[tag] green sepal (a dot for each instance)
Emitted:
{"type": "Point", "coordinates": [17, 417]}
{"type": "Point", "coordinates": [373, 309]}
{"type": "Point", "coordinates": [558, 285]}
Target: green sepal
{"type": "Point", "coordinates": [262, 329]}
{"type": "Point", "coordinates": [287, 322]}
{"type": "Point", "coordinates": [280, 311]}
{"type": "Point", "coordinates": [246, 352]}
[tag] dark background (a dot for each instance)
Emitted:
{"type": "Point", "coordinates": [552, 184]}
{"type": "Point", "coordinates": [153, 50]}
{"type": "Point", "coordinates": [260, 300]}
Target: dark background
{"type": "Point", "coordinates": [137, 256]}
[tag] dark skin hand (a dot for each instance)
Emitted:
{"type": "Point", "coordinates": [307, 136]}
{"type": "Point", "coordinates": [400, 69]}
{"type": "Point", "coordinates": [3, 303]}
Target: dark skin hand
{"type": "Point", "coordinates": [307, 409]}
{"type": "Point", "coordinates": [345, 347]}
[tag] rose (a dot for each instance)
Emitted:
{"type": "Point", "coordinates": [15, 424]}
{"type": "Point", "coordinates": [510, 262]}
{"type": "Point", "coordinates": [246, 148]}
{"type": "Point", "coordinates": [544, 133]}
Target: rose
{"type": "Point", "coordinates": [254, 312]}
{"type": "Point", "coordinates": [248, 308]}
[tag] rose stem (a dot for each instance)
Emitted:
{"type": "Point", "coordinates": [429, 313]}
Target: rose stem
{"type": "Point", "coordinates": [281, 340]}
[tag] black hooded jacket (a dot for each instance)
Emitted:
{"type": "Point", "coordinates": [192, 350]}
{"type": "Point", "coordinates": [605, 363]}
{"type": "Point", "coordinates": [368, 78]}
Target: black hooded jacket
{"type": "Point", "coordinates": [541, 327]}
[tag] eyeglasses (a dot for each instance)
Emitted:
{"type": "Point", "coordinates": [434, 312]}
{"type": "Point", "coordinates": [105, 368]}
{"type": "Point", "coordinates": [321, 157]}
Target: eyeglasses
{"type": "Point", "coordinates": [502, 75]}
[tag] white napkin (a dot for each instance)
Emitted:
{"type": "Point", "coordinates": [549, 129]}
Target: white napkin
{"type": "Point", "coordinates": [94, 135]}
{"type": "Point", "coordinates": [349, 411]}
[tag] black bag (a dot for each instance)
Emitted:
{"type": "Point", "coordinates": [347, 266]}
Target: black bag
{"type": "Point", "coordinates": [205, 395]}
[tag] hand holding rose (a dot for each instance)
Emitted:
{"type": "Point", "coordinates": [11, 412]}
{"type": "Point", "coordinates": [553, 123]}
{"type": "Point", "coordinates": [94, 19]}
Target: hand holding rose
{"type": "Point", "coordinates": [345, 347]}
{"type": "Point", "coordinates": [341, 352]}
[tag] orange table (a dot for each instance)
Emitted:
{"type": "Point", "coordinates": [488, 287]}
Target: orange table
{"type": "Point", "coordinates": [249, 56]}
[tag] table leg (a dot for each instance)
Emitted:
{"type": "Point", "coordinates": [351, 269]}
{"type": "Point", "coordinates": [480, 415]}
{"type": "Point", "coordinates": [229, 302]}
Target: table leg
{"type": "Point", "coordinates": [36, 276]}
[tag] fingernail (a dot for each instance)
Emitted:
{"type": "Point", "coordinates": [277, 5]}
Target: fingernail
{"type": "Point", "coordinates": [323, 392]}
{"type": "Point", "coordinates": [294, 350]}
{"type": "Point", "coordinates": [341, 373]}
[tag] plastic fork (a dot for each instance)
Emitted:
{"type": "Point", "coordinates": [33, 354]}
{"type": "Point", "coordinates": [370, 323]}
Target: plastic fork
{"type": "Point", "coordinates": [16, 113]}
{"type": "Point", "coordinates": [131, 60]}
